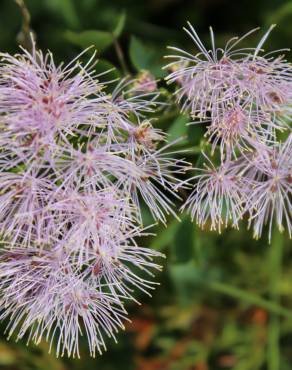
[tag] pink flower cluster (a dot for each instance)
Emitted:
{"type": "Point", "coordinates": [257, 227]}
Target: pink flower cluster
{"type": "Point", "coordinates": [75, 164]}
{"type": "Point", "coordinates": [245, 98]}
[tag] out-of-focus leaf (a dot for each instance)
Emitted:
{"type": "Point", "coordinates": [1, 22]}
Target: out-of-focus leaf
{"type": "Point", "coordinates": [195, 133]}
{"type": "Point", "coordinates": [7, 355]}
{"type": "Point", "coordinates": [144, 57]}
{"type": "Point", "coordinates": [281, 36]}
{"type": "Point", "coordinates": [99, 39]}
{"type": "Point", "coordinates": [146, 216]}
{"type": "Point", "coordinates": [104, 65]}
{"type": "Point", "coordinates": [66, 9]}
{"type": "Point", "coordinates": [165, 236]}
{"type": "Point", "coordinates": [183, 246]}
{"type": "Point", "coordinates": [248, 298]}
{"type": "Point", "coordinates": [178, 130]}
{"type": "Point", "coordinates": [282, 14]}
{"type": "Point", "coordinates": [120, 25]}
{"type": "Point", "coordinates": [139, 54]}
{"type": "Point", "coordinates": [185, 277]}
{"type": "Point", "coordinates": [87, 4]}
{"type": "Point", "coordinates": [47, 361]}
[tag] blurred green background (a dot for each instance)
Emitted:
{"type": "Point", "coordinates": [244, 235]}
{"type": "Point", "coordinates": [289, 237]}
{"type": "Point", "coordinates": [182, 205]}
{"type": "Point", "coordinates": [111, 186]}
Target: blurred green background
{"type": "Point", "coordinates": [225, 301]}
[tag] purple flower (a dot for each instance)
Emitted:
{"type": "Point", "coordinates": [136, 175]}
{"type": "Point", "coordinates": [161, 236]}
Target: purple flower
{"type": "Point", "coordinates": [116, 261]}
{"type": "Point", "coordinates": [88, 223]}
{"type": "Point", "coordinates": [245, 96]}
{"type": "Point", "coordinates": [144, 138]}
{"type": "Point", "coordinates": [126, 107]}
{"type": "Point", "coordinates": [145, 82]}
{"type": "Point", "coordinates": [42, 103]}
{"type": "Point", "coordinates": [45, 298]}
{"type": "Point", "coordinates": [74, 165]}
{"type": "Point", "coordinates": [218, 195]}
{"type": "Point", "coordinates": [96, 165]}
{"type": "Point", "coordinates": [23, 201]}
{"type": "Point", "coordinates": [266, 81]}
{"type": "Point", "coordinates": [156, 181]}
{"type": "Point", "coordinates": [218, 84]}
{"type": "Point", "coordinates": [270, 197]}
{"type": "Point", "coordinates": [100, 313]}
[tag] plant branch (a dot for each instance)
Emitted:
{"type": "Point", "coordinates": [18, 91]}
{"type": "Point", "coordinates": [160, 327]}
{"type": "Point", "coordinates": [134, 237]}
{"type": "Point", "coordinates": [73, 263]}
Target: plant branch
{"type": "Point", "coordinates": [25, 37]}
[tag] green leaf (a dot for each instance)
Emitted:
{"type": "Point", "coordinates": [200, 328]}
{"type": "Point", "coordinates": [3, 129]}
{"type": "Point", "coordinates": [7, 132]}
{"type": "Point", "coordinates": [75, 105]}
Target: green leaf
{"type": "Point", "coordinates": [195, 133]}
{"type": "Point", "coordinates": [186, 278]}
{"type": "Point", "coordinates": [144, 57]}
{"type": "Point", "coordinates": [120, 25]}
{"type": "Point", "coordinates": [87, 4]}
{"type": "Point", "coordinates": [139, 55]}
{"type": "Point", "coordinates": [99, 39]}
{"type": "Point", "coordinates": [165, 236]}
{"type": "Point", "coordinates": [104, 65]}
{"type": "Point", "coordinates": [248, 298]}
{"type": "Point", "coordinates": [282, 13]}
{"type": "Point", "coordinates": [183, 247]}
{"type": "Point", "coordinates": [178, 129]}
{"type": "Point", "coordinates": [66, 9]}
{"type": "Point", "coordinates": [281, 36]}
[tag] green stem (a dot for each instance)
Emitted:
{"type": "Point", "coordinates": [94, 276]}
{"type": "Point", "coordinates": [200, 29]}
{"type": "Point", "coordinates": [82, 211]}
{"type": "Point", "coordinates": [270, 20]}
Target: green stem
{"type": "Point", "coordinates": [25, 36]}
{"type": "Point", "coordinates": [249, 298]}
{"type": "Point", "coordinates": [121, 57]}
{"type": "Point", "coordinates": [275, 260]}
